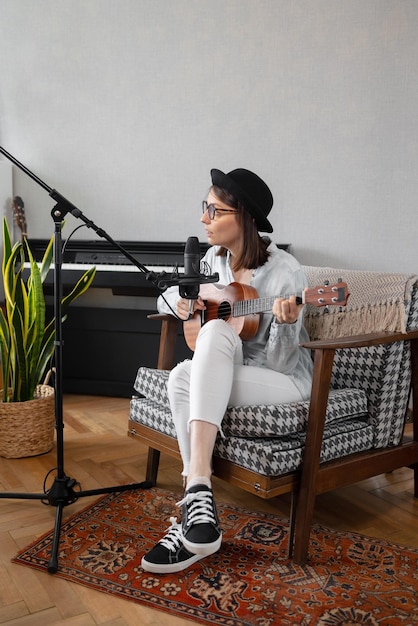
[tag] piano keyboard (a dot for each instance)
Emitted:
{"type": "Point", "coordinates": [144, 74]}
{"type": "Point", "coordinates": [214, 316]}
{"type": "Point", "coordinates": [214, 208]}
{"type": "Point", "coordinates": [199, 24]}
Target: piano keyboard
{"type": "Point", "coordinates": [82, 267]}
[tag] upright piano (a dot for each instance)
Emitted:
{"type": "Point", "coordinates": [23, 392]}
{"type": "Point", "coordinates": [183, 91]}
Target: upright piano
{"type": "Point", "coordinates": [107, 334]}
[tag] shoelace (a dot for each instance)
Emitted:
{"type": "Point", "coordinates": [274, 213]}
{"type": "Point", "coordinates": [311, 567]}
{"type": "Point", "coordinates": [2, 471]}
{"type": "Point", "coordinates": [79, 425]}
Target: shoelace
{"type": "Point", "coordinates": [173, 539]}
{"type": "Point", "coordinates": [200, 510]}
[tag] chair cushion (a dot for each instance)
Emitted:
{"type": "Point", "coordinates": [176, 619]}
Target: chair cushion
{"type": "Point", "coordinates": [152, 414]}
{"type": "Point", "coordinates": [152, 384]}
{"type": "Point", "coordinates": [270, 456]}
{"type": "Point", "coordinates": [262, 420]}
{"type": "Point", "coordinates": [277, 456]}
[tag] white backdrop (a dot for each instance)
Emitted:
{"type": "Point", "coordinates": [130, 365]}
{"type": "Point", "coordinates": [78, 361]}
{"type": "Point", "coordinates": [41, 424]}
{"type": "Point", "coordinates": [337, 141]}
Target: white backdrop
{"type": "Point", "coordinates": [124, 106]}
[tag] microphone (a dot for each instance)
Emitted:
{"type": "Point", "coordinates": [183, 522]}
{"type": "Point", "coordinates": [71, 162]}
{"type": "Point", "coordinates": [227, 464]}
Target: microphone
{"type": "Point", "coordinates": [190, 281]}
{"type": "Point", "coordinates": [191, 269]}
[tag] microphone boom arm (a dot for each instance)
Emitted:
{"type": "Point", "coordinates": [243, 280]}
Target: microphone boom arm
{"type": "Point", "coordinates": [202, 279]}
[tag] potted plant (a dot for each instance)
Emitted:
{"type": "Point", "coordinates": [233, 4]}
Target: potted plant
{"type": "Point", "coordinates": [26, 348]}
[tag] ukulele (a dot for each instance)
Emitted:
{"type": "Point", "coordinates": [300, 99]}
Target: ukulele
{"type": "Point", "coordinates": [239, 305]}
{"type": "Point", "coordinates": [19, 215]}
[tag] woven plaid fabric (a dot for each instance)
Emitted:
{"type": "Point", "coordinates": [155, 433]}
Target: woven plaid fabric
{"type": "Point", "coordinates": [404, 386]}
{"type": "Point", "coordinates": [154, 415]}
{"type": "Point", "coordinates": [413, 311]}
{"type": "Point", "coordinates": [152, 384]}
{"type": "Point", "coordinates": [276, 456]}
{"type": "Point", "coordinates": [261, 420]}
{"type": "Point", "coordinates": [383, 372]}
{"type": "Point", "coordinates": [270, 456]}
{"type": "Point", "coordinates": [378, 301]}
{"type": "Point", "coordinates": [286, 419]}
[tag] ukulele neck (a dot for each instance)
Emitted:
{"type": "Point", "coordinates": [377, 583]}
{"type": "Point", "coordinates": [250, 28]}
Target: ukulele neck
{"type": "Point", "coordinates": [259, 305]}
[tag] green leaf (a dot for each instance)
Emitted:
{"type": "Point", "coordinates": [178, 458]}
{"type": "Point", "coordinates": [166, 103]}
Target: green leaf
{"type": "Point", "coordinates": [81, 287]}
{"type": "Point", "coordinates": [47, 259]}
{"type": "Point", "coordinates": [27, 340]}
{"type": "Point", "coordinates": [22, 378]}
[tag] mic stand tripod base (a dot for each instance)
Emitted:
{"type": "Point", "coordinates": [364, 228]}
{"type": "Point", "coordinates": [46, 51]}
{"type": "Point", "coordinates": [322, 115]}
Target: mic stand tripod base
{"type": "Point", "coordinates": [62, 493]}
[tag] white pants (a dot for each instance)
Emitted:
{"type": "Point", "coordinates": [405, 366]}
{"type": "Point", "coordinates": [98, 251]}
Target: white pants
{"type": "Point", "coordinates": [203, 388]}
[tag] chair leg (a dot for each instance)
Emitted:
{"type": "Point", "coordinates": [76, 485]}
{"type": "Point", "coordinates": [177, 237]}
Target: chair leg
{"type": "Point", "coordinates": [292, 522]}
{"type": "Point", "coordinates": [152, 465]}
{"type": "Point", "coordinates": [311, 458]}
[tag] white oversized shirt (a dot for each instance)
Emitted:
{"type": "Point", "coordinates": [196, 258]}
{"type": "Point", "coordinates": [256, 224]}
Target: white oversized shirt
{"type": "Point", "coordinates": [275, 346]}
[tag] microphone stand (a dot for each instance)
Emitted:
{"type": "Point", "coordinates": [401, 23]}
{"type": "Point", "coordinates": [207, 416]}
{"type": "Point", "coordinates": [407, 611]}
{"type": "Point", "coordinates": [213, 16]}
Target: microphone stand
{"type": "Point", "coordinates": [62, 492]}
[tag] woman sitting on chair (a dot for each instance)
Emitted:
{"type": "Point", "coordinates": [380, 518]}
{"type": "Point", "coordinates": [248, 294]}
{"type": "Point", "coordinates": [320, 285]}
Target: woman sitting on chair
{"type": "Point", "coordinates": [269, 368]}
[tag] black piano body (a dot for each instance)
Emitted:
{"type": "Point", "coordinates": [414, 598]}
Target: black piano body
{"type": "Point", "coordinates": [107, 334]}
{"type": "Point", "coordinates": [114, 270]}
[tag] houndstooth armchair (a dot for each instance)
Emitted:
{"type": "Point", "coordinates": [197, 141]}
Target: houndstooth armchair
{"type": "Point", "coordinates": [365, 363]}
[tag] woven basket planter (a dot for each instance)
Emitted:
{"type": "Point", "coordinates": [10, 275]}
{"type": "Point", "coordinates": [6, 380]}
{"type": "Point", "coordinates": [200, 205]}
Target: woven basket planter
{"type": "Point", "coordinates": [27, 428]}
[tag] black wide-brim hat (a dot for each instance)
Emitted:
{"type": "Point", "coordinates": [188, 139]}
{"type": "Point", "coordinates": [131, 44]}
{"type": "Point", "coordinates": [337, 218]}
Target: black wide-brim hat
{"type": "Point", "coordinates": [251, 191]}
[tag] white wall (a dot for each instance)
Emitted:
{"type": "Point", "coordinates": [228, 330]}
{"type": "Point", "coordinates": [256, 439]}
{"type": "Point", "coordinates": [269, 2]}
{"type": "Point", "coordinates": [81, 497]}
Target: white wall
{"type": "Point", "coordinates": [123, 106]}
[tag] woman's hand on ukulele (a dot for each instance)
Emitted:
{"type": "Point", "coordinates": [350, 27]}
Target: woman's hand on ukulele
{"type": "Point", "coordinates": [185, 307]}
{"type": "Point", "coordinates": [286, 311]}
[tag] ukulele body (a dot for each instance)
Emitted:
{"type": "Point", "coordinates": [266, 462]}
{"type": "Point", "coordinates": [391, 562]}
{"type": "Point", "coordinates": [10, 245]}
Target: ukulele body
{"type": "Point", "coordinates": [220, 300]}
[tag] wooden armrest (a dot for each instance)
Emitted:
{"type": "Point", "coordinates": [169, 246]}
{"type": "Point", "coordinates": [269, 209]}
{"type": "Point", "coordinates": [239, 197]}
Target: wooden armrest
{"type": "Point", "coordinates": [160, 316]}
{"type": "Point", "coordinates": [360, 341]}
{"type": "Point", "coordinates": [168, 338]}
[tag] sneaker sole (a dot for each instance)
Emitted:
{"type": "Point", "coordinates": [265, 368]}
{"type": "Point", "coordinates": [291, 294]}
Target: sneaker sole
{"type": "Point", "coordinates": [202, 549]}
{"type": "Point", "coordinates": [169, 568]}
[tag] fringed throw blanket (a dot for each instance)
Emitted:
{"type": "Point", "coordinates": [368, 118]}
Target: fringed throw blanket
{"type": "Point", "coordinates": [378, 301]}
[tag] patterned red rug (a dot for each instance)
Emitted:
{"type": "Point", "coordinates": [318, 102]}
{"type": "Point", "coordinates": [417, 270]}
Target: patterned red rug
{"type": "Point", "coordinates": [350, 579]}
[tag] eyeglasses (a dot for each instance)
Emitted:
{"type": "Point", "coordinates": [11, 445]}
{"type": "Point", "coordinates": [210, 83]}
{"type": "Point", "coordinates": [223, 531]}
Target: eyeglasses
{"type": "Point", "coordinates": [214, 211]}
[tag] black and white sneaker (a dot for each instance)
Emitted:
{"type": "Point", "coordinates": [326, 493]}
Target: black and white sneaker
{"type": "Point", "coordinates": [200, 526]}
{"type": "Point", "coordinates": [169, 555]}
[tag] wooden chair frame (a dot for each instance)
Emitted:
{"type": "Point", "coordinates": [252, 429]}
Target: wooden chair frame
{"type": "Point", "coordinates": [314, 477]}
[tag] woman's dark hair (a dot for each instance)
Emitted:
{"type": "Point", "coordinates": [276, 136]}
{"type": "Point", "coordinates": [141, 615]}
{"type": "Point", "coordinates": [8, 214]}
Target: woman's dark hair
{"type": "Point", "coordinates": [254, 253]}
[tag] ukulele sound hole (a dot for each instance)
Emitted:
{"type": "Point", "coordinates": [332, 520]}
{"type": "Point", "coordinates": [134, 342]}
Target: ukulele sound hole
{"type": "Point", "coordinates": [224, 311]}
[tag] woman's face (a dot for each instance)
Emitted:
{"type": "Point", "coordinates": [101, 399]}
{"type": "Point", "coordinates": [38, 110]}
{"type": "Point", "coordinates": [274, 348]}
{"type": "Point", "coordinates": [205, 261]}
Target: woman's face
{"type": "Point", "coordinates": [224, 230]}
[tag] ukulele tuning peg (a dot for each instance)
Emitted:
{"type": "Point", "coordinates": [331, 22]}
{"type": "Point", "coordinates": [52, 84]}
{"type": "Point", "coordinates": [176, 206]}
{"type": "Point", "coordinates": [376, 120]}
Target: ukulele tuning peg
{"type": "Point", "coordinates": [340, 280]}
{"type": "Point", "coordinates": [326, 282]}
{"type": "Point", "coordinates": [326, 310]}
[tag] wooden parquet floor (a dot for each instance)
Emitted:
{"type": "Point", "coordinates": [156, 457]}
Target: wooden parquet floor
{"type": "Point", "coordinates": [97, 454]}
